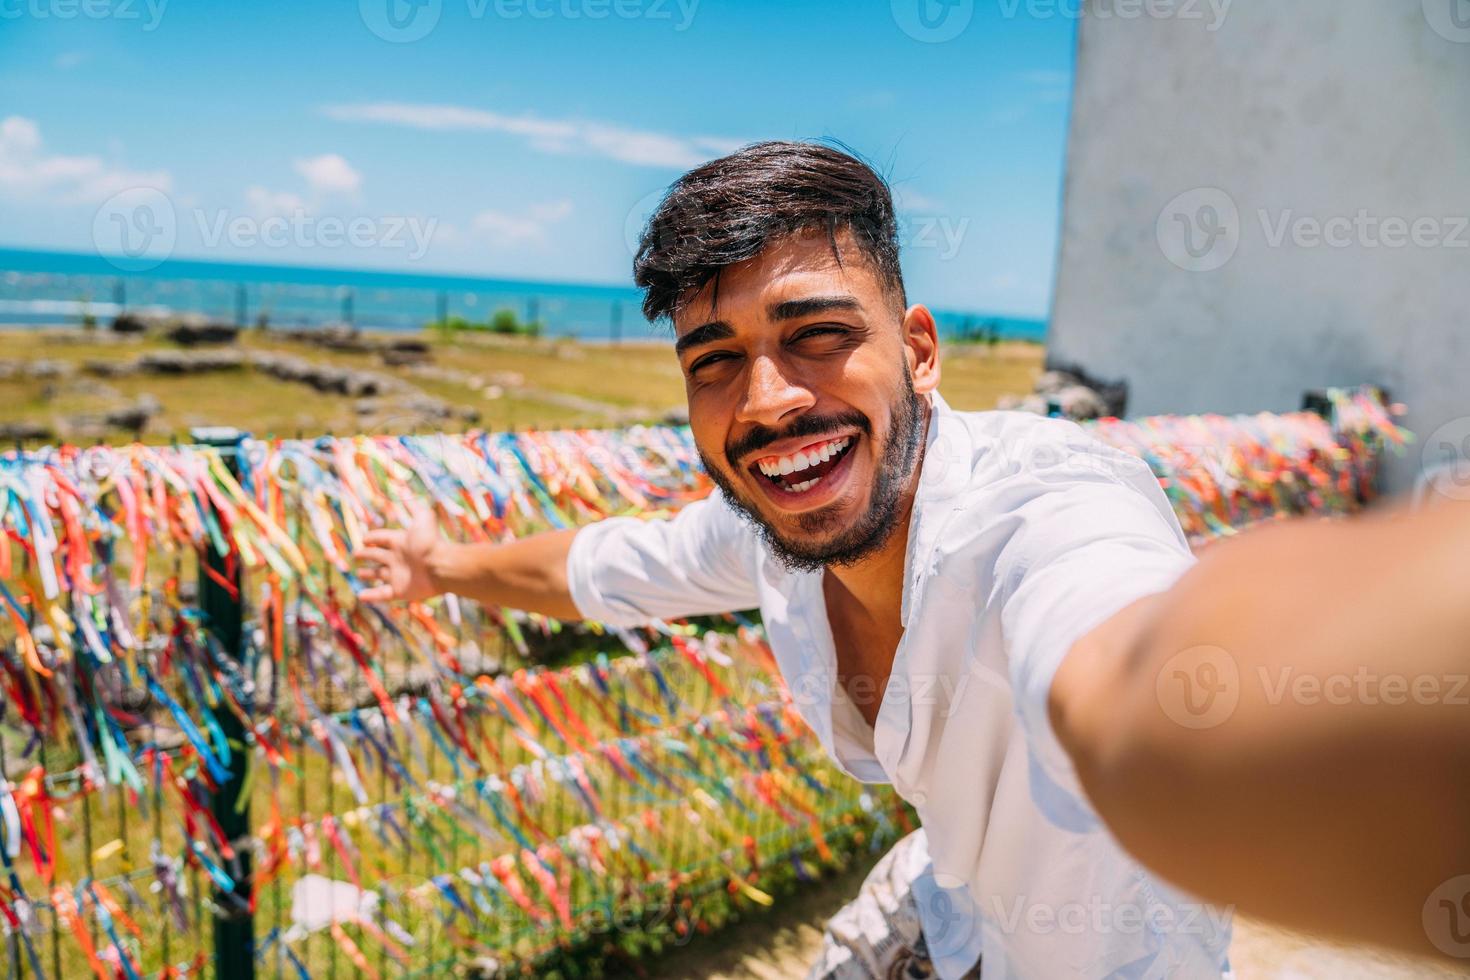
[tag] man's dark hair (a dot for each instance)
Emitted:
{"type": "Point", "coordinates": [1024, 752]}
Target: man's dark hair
{"type": "Point", "coordinates": [730, 209]}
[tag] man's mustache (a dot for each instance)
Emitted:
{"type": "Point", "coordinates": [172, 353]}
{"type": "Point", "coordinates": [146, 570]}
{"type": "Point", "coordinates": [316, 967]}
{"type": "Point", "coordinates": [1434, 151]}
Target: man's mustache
{"type": "Point", "coordinates": [807, 425]}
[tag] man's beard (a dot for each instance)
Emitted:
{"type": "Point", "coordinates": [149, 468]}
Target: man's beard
{"type": "Point", "coordinates": [857, 540]}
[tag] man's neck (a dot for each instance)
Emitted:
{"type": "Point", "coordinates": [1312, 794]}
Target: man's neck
{"type": "Point", "coordinates": [876, 583]}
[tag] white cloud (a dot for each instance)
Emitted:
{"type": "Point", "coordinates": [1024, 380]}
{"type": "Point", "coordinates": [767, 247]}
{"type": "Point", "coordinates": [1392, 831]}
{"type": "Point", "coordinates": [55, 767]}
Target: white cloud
{"type": "Point", "coordinates": [561, 136]}
{"type": "Point", "coordinates": [264, 203]}
{"type": "Point", "coordinates": [529, 228]}
{"type": "Point", "coordinates": [329, 174]}
{"type": "Point", "coordinates": [68, 60]}
{"type": "Point", "coordinates": [449, 117]}
{"type": "Point", "coordinates": [27, 170]}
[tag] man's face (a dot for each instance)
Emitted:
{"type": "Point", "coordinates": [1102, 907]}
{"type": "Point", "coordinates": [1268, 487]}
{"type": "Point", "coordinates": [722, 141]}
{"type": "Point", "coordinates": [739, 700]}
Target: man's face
{"type": "Point", "coordinates": [804, 387]}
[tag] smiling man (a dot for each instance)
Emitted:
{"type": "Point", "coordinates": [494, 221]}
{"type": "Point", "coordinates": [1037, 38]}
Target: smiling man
{"type": "Point", "coordinates": [975, 607]}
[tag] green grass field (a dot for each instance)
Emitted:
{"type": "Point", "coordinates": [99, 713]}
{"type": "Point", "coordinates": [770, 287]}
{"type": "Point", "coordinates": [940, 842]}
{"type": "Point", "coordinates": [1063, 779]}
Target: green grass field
{"type": "Point", "coordinates": [510, 382]}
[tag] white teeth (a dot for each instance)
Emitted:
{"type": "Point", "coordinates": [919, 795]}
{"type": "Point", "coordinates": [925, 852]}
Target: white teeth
{"type": "Point", "coordinates": [802, 487]}
{"type": "Point", "coordinates": [796, 462]}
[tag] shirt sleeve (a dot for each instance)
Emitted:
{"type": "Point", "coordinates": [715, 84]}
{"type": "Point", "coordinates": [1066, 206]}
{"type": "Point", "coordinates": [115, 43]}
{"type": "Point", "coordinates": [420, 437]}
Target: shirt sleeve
{"type": "Point", "coordinates": [626, 571]}
{"type": "Point", "coordinates": [1095, 535]}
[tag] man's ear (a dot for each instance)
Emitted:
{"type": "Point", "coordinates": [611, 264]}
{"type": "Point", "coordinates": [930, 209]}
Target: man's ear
{"type": "Point", "coordinates": [921, 347]}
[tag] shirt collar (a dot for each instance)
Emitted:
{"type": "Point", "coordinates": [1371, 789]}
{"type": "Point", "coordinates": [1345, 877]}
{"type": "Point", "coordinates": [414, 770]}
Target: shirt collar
{"type": "Point", "coordinates": [945, 472]}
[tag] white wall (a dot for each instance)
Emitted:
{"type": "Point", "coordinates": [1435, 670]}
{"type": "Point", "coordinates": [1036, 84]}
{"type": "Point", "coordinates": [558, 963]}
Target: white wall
{"type": "Point", "coordinates": [1303, 109]}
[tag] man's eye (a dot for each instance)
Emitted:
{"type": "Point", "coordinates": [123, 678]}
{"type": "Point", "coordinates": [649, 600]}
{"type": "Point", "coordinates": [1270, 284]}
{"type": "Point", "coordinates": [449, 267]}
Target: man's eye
{"type": "Point", "coordinates": [709, 360]}
{"type": "Point", "coordinates": [828, 329]}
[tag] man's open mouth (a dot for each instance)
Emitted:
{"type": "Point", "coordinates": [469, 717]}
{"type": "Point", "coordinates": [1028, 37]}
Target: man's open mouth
{"type": "Point", "coordinates": [805, 469]}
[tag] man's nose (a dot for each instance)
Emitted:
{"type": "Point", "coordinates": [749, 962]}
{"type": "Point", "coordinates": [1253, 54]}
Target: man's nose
{"type": "Point", "coordinates": [771, 395]}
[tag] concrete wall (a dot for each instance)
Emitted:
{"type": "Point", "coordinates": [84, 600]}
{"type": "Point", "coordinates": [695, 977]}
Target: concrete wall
{"type": "Point", "coordinates": [1208, 143]}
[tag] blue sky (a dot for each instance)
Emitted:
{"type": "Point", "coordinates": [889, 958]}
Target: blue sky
{"type": "Point", "coordinates": [526, 138]}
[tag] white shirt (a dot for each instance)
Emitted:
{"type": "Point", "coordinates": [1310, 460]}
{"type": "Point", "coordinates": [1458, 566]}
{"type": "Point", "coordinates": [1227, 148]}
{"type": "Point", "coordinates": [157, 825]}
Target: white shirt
{"type": "Point", "coordinates": [1025, 534]}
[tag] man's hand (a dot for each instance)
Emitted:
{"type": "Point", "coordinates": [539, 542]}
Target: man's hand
{"type": "Point", "coordinates": [400, 562]}
{"type": "Point", "coordinates": [415, 563]}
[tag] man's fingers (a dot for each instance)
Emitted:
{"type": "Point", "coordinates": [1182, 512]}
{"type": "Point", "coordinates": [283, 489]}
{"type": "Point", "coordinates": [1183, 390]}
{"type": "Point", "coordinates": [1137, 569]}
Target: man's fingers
{"type": "Point", "coordinates": [378, 593]}
{"type": "Point", "coordinates": [380, 555]}
{"type": "Point", "coordinates": [383, 538]}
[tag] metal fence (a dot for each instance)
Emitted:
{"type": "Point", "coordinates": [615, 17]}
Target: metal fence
{"type": "Point", "coordinates": [213, 759]}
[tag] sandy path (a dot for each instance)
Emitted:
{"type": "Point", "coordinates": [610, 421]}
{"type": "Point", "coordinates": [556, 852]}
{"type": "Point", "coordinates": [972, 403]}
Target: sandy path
{"type": "Point", "coordinates": [781, 943]}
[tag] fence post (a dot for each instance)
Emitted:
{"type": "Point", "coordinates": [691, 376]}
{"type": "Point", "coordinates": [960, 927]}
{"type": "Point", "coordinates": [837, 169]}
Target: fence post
{"type": "Point", "coordinates": [234, 925]}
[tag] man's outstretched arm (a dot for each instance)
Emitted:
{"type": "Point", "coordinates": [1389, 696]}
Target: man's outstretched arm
{"type": "Point", "coordinates": [415, 563]}
{"type": "Point", "coordinates": [622, 570]}
{"type": "Point", "coordinates": [1287, 729]}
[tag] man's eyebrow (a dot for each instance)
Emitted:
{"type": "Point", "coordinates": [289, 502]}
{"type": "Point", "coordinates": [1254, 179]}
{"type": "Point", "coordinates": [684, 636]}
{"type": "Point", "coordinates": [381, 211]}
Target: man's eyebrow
{"type": "Point", "coordinates": [794, 308]}
{"type": "Point", "coordinates": [705, 333]}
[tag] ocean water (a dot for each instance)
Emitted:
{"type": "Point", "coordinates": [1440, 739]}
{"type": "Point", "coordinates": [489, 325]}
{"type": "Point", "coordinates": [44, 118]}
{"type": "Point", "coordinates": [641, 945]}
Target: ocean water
{"type": "Point", "coordinates": [44, 288]}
